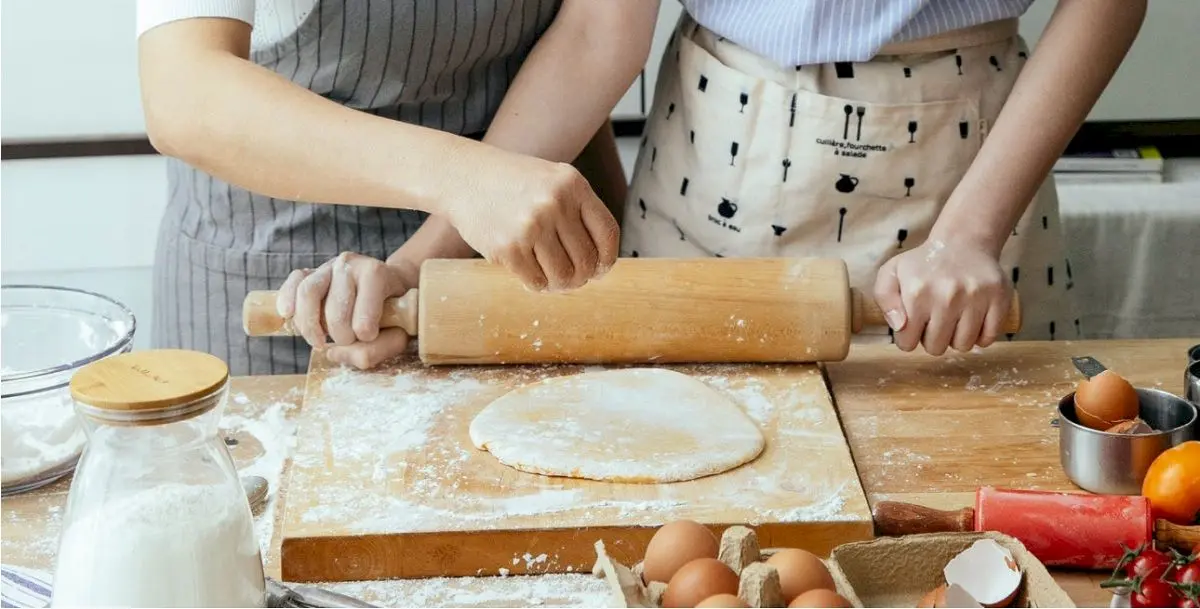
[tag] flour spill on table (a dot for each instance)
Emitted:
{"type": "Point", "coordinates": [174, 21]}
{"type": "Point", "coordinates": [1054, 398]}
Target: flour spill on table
{"type": "Point", "coordinates": [405, 433]}
{"type": "Point", "coordinates": [277, 435]}
{"type": "Point", "coordinates": [517, 591]}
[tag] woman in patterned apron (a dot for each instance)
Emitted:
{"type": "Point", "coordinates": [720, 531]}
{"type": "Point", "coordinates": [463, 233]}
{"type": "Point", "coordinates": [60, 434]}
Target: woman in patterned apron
{"type": "Point", "coordinates": [910, 138]}
{"type": "Point", "coordinates": [302, 129]}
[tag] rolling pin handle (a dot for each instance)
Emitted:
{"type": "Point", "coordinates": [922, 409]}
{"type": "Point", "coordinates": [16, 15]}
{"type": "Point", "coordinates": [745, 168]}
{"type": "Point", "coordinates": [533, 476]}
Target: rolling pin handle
{"type": "Point", "coordinates": [1185, 538]}
{"type": "Point", "coordinates": [894, 518]}
{"type": "Point", "coordinates": [865, 312]}
{"type": "Point", "coordinates": [260, 317]}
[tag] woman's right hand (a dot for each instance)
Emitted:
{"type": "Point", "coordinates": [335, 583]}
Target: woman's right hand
{"type": "Point", "coordinates": [539, 219]}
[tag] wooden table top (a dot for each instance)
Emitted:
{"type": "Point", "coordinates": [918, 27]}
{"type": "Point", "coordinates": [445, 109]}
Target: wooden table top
{"type": "Point", "coordinates": [922, 429]}
{"type": "Point", "coordinates": [932, 430]}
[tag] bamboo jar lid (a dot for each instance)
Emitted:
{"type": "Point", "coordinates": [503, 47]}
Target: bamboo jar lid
{"type": "Point", "coordinates": [147, 381]}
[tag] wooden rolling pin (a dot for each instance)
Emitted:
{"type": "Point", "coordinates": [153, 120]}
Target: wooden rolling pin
{"type": "Point", "coordinates": [644, 310]}
{"type": "Point", "coordinates": [1078, 530]}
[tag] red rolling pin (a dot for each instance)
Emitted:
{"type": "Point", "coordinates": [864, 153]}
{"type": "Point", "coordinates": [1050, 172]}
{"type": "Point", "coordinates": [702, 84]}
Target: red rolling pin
{"type": "Point", "coordinates": [1061, 529]}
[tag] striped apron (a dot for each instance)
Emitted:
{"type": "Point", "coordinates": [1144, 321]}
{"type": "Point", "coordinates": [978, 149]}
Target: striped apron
{"type": "Point", "coordinates": [444, 64]}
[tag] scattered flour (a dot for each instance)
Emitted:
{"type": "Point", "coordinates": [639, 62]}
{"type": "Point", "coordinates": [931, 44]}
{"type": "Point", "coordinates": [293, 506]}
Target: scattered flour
{"type": "Point", "coordinates": [512, 591]}
{"type": "Point", "coordinates": [278, 438]}
{"type": "Point", "coordinates": [130, 551]}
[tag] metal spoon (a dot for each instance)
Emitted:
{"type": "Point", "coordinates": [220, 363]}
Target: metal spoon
{"type": "Point", "coordinates": [257, 489]}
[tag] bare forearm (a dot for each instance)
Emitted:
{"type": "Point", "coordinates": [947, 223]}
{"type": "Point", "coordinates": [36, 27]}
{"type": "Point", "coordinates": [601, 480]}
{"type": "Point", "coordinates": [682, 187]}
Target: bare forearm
{"type": "Point", "coordinates": [253, 128]}
{"type": "Point", "coordinates": [566, 89]}
{"type": "Point", "coordinates": [1081, 48]}
{"type": "Point", "coordinates": [560, 101]}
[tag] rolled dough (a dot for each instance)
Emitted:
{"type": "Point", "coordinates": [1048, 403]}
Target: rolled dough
{"type": "Point", "coordinates": [642, 425]}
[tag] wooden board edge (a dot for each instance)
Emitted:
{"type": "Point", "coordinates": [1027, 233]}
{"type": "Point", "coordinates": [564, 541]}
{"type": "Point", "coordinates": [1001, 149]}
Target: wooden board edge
{"type": "Point", "coordinates": [456, 554]}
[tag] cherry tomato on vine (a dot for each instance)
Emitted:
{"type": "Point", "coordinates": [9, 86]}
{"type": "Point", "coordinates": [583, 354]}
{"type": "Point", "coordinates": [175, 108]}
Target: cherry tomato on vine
{"type": "Point", "coordinates": [1154, 593]}
{"type": "Point", "coordinates": [1189, 574]}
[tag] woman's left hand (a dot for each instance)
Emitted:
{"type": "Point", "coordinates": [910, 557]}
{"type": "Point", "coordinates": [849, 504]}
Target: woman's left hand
{"type": "Point", "coordinates": [344, 298]}
{"type": "Point", "coordinates": [944, 294]}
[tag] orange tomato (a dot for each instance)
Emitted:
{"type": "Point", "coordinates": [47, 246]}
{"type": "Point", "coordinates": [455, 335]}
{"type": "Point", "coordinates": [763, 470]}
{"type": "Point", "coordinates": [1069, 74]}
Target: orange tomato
{"type": "Point", "coordinates": [1172, 484]}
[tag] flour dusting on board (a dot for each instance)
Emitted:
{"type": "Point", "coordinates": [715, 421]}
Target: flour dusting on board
{"type": "Point", "coordinates": [403, 436]}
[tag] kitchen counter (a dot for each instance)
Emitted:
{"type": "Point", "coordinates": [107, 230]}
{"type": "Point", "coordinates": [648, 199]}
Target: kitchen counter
{"type": "Point", "coordinates": [921, 429]}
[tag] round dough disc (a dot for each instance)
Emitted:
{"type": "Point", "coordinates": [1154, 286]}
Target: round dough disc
{"type": "Point", "coordinates": [634, 425]}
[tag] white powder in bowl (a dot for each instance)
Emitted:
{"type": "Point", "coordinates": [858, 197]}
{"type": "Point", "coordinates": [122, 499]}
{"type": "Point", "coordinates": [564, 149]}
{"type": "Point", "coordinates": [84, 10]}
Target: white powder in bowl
{"type": "Point", "coordinates": [38, 433]}
{"type": "Point", "coordinates": [174, 545]}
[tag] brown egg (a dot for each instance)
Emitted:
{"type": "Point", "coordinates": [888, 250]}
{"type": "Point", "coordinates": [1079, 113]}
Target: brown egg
{"type": "Point", "coordinates": [674, 545]}
{"type": "Point", "coordinates": [723, 601]}
{"type": "Point", "coordinates": [934, 599]}
{"type": "Point", "coordinates": [1105, 400]}
{"type": "Point", "coordinates": [819, 598]}
{"type": "Point", "coordinates": [698, 580]}
{"type": "Point", "coordinates": [799, 572]}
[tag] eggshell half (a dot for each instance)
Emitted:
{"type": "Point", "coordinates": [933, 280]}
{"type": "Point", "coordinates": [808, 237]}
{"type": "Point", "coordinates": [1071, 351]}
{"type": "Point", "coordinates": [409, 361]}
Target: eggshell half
{"type": "Point", "coordinates": [985, 573]}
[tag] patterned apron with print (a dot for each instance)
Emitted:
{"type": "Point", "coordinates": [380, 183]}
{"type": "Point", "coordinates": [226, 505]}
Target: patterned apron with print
{"type": "Point", "coordinates": [850, 160]}
{"type": "Point", "coordinates": [444, 64]}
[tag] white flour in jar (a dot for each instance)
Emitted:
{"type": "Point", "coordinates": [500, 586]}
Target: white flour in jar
{"type": "Point", "coordinates": [38, 433]}
{"type": "Point", "coordinates": [174, 545]}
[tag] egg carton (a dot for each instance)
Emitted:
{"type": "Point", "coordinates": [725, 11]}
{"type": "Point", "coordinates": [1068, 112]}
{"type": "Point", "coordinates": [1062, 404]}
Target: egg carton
{"type": "Point", "coordinates": [884, 572]}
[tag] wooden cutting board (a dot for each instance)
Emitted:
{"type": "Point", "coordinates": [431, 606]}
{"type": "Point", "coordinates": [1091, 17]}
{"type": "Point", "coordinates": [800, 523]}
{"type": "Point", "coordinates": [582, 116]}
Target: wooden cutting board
{"type": "Point", "coordinates": [385, 482]}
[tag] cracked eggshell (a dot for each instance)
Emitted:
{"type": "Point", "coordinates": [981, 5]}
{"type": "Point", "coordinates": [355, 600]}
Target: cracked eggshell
{"type": "Point", "coordinates": [984, 573]}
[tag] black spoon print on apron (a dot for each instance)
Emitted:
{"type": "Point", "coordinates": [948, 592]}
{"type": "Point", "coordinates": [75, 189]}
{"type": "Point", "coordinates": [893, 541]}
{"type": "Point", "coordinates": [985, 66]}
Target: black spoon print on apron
{"type": "Point", "coordinates": [912, 132]}
{"type": "Point", "coordinates": [848, 109]}
{"type": "Point", "coordinates": [841, 222]}
{"type": "Point", "coordinates": [908, 186]}
{"type": "Point", "coordinates": [744, 99]}
{"type": "Point", "coordinates": [787, 164]}
{"type": "Point", "coordinates": [860, 111]}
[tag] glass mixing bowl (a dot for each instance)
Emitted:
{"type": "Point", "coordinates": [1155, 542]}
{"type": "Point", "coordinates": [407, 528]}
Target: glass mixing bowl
{"type": "Point", "coordinates": [46, 334]}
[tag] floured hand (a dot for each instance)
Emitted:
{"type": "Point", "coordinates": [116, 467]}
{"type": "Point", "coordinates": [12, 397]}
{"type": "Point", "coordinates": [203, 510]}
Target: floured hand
{"type": "Point", "coordinates": [944, 294]}
{"type": "Point", "coordinates": [343, 299]}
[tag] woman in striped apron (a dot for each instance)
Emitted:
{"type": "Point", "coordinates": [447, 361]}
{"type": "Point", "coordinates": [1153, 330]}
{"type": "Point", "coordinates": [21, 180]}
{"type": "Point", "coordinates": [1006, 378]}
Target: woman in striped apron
{"type": "Point", "coordinates": [302, 129]}
{"type": "Point", "coordinates": [910, 138]}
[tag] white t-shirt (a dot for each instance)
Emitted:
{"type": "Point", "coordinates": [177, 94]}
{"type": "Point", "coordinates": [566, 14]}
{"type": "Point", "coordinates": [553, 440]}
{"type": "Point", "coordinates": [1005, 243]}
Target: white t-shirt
{"type": "Point", "coordinates": [271, 20]}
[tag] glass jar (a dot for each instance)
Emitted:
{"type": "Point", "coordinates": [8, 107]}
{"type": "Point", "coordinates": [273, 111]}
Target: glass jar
{"type": "Point", "coordinates": [47, 334]}
{"type": "Point", "coordinates": [156, 516]}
